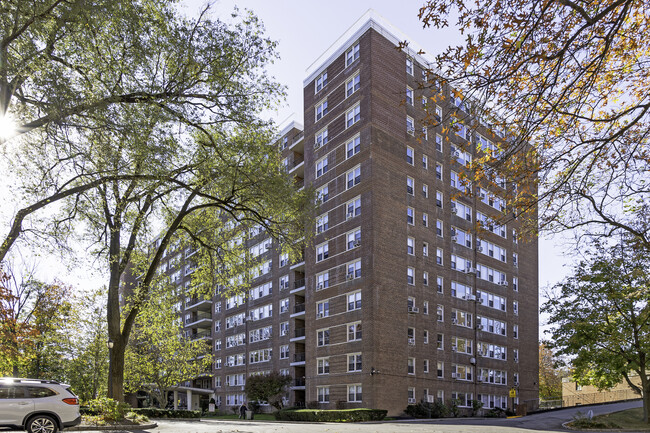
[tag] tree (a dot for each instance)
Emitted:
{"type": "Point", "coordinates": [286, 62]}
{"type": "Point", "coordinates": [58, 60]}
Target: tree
{"type": "Point", "coordinates": [568, 85]}
{"type": "Point", "coordinates": [159, 355]}
{"type": "Point", "coordinates": [268, 387]}
{"type": "Point", "coordinates": [601, 316]}
{"type": "Point", "coordinates": [550, 378]}
{"type": "Point", "coordinates": [32, 314]}
{"type": "Point", "coordinates": [131, 117]}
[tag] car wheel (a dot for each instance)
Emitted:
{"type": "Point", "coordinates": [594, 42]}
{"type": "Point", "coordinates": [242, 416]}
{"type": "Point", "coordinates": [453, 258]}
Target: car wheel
{"type": "Point", "coordinates": [42, 424]}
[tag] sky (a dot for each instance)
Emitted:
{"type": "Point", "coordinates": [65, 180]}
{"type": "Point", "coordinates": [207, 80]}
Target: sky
{"type": "Point", "coordinates": [305, 29]}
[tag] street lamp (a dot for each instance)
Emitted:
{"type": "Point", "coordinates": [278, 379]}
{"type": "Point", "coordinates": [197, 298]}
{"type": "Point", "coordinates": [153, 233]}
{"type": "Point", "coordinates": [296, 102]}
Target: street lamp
{"type": "Point", "coordinates": [110, 390]}
{"type": "Point", "coordinates": [110, 344]}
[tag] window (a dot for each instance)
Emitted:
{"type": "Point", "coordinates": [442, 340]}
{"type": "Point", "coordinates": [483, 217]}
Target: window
{"type": "Point", "coordinates": [425, 133]}
{"type": "Point", "coordinates": [426, 366]}
{"type": "Point", "coordinates": [284, 328]}
{"type": "Point", "coordinates": [425, 278]}
{"type": "Point", "coordinates": [410, 246]}
{"type": "Point", "coordinates": [322, 224]}
{"type": "Point", "coordinates": [409, 66]}
{"type": "Point", "coordinates": [321, 138]}
{"type": "Point", "coordinates": [425, 162]}
{"type": "Point", "coordinates": [354, 331]}
{"type": "Point", "coordinates": [409, 96]}
{"type": "Point", "coordinates": [351, 55]}
{"type": "Point", "coordinates": [440, 369]}
{"type": "Point", "coordinates": [323, 337]}
{"type": "Point", "coordinates": [323, 394]}
{"type": "Point", "coordinates": [285, 142]}
{"type": "Point", "coordinates": [322, 280]}
{"type": "Point", "coordinates": [425, 249]}
{"type": "Point", "coordinates": [410, 394]}
{"type": "Point", "coordinates": [440, 342]}
{"type": "Point", "coordinates": [410, 366]}
{"type": "Point", "coordinates": [439, 256]}
{"type": "Point", "coordinates": [353, 176]}
{"type": "Point", "coordinates": [321, 167]}
{"type": "Point", "coordinates": [354, 301]}
{"type": "Point", "coordinates": [320, 82]}
{"type": "Point", "coordinates": [284, 259]}
{"type": "Point", "coordinates": [353, 146]}
{"type": "Point", "coordinates": [409, 155]}
{"type": "Point", "coordinates": [323, 365]}
{"type": "Point", "coordinates": [354, 362]}
{"type": "Point", "coordinates": [354, 393]}
{"type": "Point", "coordinates": [439, 199]}
{"type": "Point", "coordinates": [352, 85]}
{"type": "Point", "coordinates": [410, 125]}
{"type": "Point", "coordinates": [515, 284]}
{"type": "Point", "coordinates": [284, 305]}
{"type": "Point", "coordinates": [425, 191]}
{"type": "Point", "coordinates": [322, 309]}
{"type": "Point", "coordinates": [515, 307]}
{"type": "Point", "coordinates": [439, 142]}
{"type": "Point", "coordinates": [439, 228]}
{"type": "Point", "coordinates": [410, 184]}
{"type": "Point", "coordinates": [425, 336]}
{"type": "Point", "coordinates": [354, 207]}
{"type": "Point", "coordinates": [284, 352]}
{"type": "Point", "coordinates": [284, 282]}
{"type": "Point", "coordinates": [461, 318]}
{"type": "Point", "coordinates": [440, 313]}
{"type": "Point", "coordinates": [438, 114]}
{"type": "Point", "coordinates": [322, 252]}
{"type": "Point", "coordinates": [438, 171]}
{"type": "Point", "coordinates": [321, 110]}
{"type": "Point", "coordinates": [354, 270]}
{"type": "Point", "coordinates": [515, 331]}
{"type": "Point", "coordinates": [439, 283]}
{"type": "Point", "coordinates": [410, 215]}
{"type": "Point", "coordinates": [354, 239]}
{"type": "Point", "coordinates": [352, 116]}
{"type": "Point", "coordinates": [425, 219]}
{"type": "Point", "coordinates": [323, 194]}
{"type": "Point", "coordinates": [410, 276]}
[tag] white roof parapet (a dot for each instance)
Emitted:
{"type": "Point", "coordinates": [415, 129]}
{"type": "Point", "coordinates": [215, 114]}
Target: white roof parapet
{"type": "Point", "coordinates": [370, 19]}
{"type": "Point", "coordinates": [289, 124]}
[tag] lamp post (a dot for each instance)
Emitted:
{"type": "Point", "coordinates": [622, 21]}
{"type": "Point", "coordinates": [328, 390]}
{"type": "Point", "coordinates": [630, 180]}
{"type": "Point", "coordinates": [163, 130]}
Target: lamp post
{"type": "Point", "coordinates": [110, 345]}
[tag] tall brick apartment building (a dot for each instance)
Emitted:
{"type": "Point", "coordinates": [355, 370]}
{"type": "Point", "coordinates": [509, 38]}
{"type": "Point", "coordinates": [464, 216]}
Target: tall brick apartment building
{"type": "Point", "coordinates": [400, 299]}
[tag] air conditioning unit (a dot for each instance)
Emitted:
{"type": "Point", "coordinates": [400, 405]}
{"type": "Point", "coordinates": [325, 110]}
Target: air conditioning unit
{"type": "Point", "coordinates": [454, 348]}
{"type": "Point", "coordinates": [350, 213]}
{"type": "Point", "coordinates": [471, 298]}
{"type": "Point", "coordinates": [357, 243]}
{"type": "Point", "coordinates": [455, 154]}
{"type": "Point", "coordinates": [320, 315]}
{"type": "Point", "coordinates": [350, 276]}
{"type": "Point", "coordinates": [413, 309]}
{"type": "Point", "coordinates": [317, 145]}
{"type": "Point", "coordinates": [503, 283]}
{"type": "Point", "coordinates": [479, 327]}
{"type": "Point", "coordinates": [319, 286]}
{"type": "Point", "coordinates": [516, 383]}
{"type": "Point", "coordinates": [454, 375]}
{"type": "Point", "coordinates": [454, 238]}
{"type": "Point", "coordinates": [453, 208]}
{"type": "Point", "coordinates": [411, 341]}
{"type": "Point", "coordinates": [516, 264]}
{"type": "Point", "coordinates": [482, 196]}
{"type": "Point", "coordinates": [516, 359]}
{"type": "Point", "coordinates": [411, 400]}
{"type": "Point", "coordinates": [479, 249]}
{"type": "Point", "coordinates": [454, 321]}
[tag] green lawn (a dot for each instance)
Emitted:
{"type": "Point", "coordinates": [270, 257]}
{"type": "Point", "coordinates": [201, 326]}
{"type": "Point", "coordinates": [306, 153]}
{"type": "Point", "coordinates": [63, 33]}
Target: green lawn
{"type": "Point", "coordinates": [626, 419]}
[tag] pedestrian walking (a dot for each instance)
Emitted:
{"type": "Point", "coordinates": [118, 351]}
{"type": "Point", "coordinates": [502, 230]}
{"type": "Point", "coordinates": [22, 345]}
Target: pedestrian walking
{"type": "Point", "coordinates": [242, 411]}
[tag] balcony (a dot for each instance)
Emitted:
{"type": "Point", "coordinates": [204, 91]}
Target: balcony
{"type": "Point", "coordinates": [298, 310]}
{"type": "Point", "coordinates": [298, 334]}
{"type": "Point", "coordinates": [200, 304]}
{"type": "Point", "coordinates": [298, 286]}
{"type": "Point", "coordinates": [200, 318]}
{"type": "Point", "coordinates": [201, 335]}
{"type": "Point", "coordinates": [298, 384]}
{"type": "Point", "coordinates": [298, 359]}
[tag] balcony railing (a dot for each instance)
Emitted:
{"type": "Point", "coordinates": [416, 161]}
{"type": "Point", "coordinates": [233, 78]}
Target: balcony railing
{"type": "Point", "coordinates": [298, 357]}
{"type": "Point", "coordinates": [198, 335]}
{"type": "Point", "coordinates": [299, 332]}
{"type": "Point", "coordinates": [299, 382]}
{"type": "Point", "coordinates": [299, 283]}
{"type": "Point", "coordinates": [299, 308]}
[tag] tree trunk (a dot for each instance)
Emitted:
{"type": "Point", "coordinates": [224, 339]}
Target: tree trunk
{"type": "Point", "coordinates": [646, 406]}
{"type": "Point", "coordinates": [116, 370]}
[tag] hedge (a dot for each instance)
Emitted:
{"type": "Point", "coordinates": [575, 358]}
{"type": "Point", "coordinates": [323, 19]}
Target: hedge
{"type": "Point", "coordinates": [344, 415]}
{"type": "Point", "coordinates": [153, 412]}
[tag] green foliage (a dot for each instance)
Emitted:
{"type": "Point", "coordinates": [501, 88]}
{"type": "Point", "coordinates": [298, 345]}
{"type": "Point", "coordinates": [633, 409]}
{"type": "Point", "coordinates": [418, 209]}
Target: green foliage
{"type": "Point", "coordinates": [476, 406]}
{"type": "Point", "coordinates": [601, 316]}
{"type": "Point", "coordinates": [424, 409]}
{"type": "Point", "coordinates": [581, 421]}
{"type": "Point", "coordinates": [454, 410]}
{"type": "Point", "coordinates": [167, 413]}
{"type": "Point", "coordinates": [550, 377]}
{"type": "Point", "coordinates": [107, 409]}
{"type": "Point", "coordinates": [268, 387]}
{"type": "Point", "coordinates": [343, 415]}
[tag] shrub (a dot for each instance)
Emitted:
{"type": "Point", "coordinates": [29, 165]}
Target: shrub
{"type": "Point", "coordinates": [106, 409]}
{"type": "Point", "coordinates": [453, 407]}
{"type": "Point", "coordinates": [347, 415]}
{"type": "Point", "coordinates": [496, 412]}
{"type": "Point", "coordinates": [153, 412]}
{"type": "Point", "coordinates": [424, 409]}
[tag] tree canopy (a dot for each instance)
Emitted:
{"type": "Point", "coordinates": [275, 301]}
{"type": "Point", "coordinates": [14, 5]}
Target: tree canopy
{"type": "Point", "coordinates": [569, 85]}
{"type": "Point", "coordinates": [601, 318]}
{"type": "Point", "coordinates": [269, 387]}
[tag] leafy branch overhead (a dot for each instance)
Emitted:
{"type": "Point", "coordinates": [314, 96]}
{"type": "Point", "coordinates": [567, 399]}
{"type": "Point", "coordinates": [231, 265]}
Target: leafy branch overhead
{"type": "Point", "coordinates": [569, 84]}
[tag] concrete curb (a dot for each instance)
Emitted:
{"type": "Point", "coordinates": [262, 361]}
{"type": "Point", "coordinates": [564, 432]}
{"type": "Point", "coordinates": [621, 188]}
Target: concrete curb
{"type": "Point", "coordinates": [112, 427]}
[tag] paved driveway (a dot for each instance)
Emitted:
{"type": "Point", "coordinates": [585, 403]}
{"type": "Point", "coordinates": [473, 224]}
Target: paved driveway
{"type": "Point", "coordinates": [549, 421]}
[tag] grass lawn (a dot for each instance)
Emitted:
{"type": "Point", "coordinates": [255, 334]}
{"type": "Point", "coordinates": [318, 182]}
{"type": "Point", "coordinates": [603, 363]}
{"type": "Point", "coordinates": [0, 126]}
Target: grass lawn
{"type": "Point", "coordinates": [626, 419]}
{"type": "Point", "coordinates": [258, 417]}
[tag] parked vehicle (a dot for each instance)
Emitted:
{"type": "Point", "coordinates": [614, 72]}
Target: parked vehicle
{"type": "Point", "coordinates": [38, 406]}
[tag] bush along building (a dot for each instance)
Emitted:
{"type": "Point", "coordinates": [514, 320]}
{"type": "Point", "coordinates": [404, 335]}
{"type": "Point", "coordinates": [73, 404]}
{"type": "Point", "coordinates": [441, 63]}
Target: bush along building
{"type": "Point", "coordinates": [401, 298]}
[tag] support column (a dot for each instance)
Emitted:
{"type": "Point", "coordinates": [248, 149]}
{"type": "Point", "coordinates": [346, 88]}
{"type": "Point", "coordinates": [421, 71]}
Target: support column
{"type": "Point", "coordinates": [189, 399]}
{"type": "Point", "coordinates": [175, 400]}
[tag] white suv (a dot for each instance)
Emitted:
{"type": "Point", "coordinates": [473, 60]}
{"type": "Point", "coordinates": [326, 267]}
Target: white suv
{"type": "Point", "coordinates": [38, 406]}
